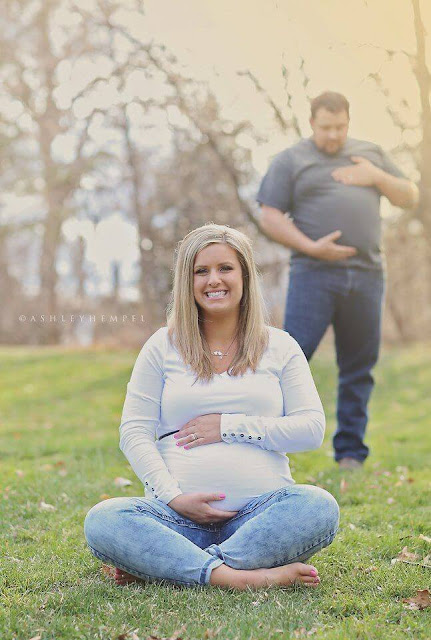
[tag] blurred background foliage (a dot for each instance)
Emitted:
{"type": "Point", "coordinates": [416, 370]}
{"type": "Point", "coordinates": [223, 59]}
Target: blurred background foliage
{"type": "Point", "coordinates": [111, 146]}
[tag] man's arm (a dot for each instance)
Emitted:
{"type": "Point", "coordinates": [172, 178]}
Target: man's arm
{"type": "Point", "coordinates": [284, 231]}
{"type": "Point", "coordinates": [399, 191]}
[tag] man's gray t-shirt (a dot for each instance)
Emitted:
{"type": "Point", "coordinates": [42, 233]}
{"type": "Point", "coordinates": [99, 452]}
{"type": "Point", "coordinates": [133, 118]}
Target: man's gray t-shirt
{"type": "Point", "coordinates": [299, 182]}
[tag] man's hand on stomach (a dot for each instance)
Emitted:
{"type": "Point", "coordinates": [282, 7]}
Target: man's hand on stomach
{"type": "Point", "coordinates": [326, 248]}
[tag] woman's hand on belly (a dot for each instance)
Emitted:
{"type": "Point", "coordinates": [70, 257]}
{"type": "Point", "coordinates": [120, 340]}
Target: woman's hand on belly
{"type": "Point", "coordinates": [206, 428]}
{"type": "Point", "coordinates": [194, 506]}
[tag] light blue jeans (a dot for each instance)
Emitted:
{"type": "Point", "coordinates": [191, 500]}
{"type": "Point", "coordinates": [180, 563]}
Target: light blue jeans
{"type": "Point", "coordinates": [148, 539]}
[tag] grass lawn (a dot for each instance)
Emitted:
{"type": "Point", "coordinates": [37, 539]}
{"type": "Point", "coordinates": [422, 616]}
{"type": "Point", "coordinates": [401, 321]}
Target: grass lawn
{"type": "Point", "coordinates": [59, 416]}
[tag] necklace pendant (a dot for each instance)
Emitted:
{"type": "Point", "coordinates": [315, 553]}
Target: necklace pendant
{"type": "Point", "coordinates": [218, 353]}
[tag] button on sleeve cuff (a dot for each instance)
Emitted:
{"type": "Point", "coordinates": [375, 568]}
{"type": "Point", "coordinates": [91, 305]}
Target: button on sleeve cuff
{"type": "Point", "coordinates": [228, 427]}
{"type": "Point", "coordinates": [234, 428]}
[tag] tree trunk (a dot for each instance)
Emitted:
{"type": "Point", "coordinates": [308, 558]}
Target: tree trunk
{"type": "Point", "coordinates": [423, 78]}
{"type": "Point", "coordinates": [49, 127]}
{"type": "Point", "coordinates": [149, 298]}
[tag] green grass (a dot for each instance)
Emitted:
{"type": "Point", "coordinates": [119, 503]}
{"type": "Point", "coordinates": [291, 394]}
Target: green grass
{"type": "Point", "coordinates": [59, 416]}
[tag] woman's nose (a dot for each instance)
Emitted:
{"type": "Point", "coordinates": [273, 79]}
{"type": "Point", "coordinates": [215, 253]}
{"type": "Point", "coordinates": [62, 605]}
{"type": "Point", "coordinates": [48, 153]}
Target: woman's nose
{"type": "Point", "coordinates": [214, 278]}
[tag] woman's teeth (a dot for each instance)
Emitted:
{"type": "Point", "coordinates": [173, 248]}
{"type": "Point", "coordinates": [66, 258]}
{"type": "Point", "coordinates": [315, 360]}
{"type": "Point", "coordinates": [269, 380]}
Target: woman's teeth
{"type": "Point", "coordinates": [216, 294]}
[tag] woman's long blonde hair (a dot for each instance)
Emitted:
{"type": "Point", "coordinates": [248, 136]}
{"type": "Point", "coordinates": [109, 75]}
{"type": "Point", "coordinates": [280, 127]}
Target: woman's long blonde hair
{"type": "Point", "coordinates": [184, 320]}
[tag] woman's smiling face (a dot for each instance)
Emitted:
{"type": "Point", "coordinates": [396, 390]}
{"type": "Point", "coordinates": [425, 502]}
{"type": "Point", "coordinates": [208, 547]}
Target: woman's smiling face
{"type": "Point", "coordinates": [217, 279]}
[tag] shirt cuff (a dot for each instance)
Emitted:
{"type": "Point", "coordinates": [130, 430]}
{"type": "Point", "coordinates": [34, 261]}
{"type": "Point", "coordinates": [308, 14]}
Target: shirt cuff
{"type": "Point", "coordinates": [164, 495]}
{"type": "Point", "coordinates": [234, 428]}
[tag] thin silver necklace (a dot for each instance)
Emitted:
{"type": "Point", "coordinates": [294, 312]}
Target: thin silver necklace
{"type": "Point", "coordinates": [220, 354]}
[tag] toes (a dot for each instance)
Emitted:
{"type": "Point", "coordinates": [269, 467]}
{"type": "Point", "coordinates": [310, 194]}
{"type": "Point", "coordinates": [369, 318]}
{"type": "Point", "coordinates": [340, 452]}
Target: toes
{"type": "Point", "coordinates": [308, 570]}
{"type": "Point", "coordinates": [307, 581]}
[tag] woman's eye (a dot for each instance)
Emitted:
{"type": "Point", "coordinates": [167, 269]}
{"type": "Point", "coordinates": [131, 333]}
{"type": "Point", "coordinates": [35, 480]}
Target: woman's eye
{"type": "Point", "coordinates": [201, 271]}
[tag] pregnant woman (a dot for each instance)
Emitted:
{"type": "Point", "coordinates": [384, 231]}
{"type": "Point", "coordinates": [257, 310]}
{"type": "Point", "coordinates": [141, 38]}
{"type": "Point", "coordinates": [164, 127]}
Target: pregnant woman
{"type": "Point", "coordinates": [227, 397]}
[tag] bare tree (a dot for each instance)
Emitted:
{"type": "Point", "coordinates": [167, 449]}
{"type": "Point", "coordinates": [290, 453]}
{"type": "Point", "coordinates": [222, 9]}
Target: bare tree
{"type": "Point", "coordinates": [30, 69]}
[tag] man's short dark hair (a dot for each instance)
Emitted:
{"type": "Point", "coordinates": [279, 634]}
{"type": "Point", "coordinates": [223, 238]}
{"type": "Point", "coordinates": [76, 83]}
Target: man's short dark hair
{"type": "Point", "coordinates": [331, 101]}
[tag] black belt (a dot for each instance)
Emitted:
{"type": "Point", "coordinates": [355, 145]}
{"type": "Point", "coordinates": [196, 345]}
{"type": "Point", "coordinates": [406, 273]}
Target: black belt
{"type": "Point", "coordinates": [165, 435]}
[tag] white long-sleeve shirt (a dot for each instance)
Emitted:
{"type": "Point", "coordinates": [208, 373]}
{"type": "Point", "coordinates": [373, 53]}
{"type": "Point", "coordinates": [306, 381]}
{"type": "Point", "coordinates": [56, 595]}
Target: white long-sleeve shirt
{"type": "Point", "coordinates": [264, 415]}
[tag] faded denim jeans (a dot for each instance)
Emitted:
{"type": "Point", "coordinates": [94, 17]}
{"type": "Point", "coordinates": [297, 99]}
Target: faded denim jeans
{"type": "Point", "coordinates": [148, 539]}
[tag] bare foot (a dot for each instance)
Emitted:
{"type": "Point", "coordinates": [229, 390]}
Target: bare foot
{"type": "Point", "coordinates": [284, 576]}
{"type": "Point", "coordinates": [122, 577]}
{"type": "Point", "coordinates": [290, 574]}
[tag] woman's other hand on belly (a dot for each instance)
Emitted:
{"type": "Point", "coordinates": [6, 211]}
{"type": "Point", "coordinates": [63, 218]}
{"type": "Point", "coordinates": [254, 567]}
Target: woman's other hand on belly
{"type": "Point", "coordinates": [194, 506]}
{"type": "Point", "coordinates": [206, 428]}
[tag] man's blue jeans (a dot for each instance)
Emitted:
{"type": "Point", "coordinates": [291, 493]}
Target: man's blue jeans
{"type": "Point", "coordinates": [148, 539]}
{"type": "Point", "coordinates": [349, 299]}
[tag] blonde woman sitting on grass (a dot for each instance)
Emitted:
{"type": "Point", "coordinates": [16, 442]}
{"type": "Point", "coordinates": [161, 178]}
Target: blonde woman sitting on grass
{"type": "Point", "coordinates": [227, 397]}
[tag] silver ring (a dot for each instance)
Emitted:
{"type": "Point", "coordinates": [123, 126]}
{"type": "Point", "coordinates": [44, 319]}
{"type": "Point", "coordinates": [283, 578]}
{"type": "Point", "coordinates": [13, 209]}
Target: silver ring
{"type": "Point", "coordinates": [194, 436]}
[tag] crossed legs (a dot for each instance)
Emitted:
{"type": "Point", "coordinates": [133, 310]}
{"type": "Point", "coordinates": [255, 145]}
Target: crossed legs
{"type": "Point", "coordinates": [266, 543]}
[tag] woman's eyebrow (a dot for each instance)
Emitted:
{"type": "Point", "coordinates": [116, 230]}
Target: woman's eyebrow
{"type": "Point", "coordinates": [220, 264]}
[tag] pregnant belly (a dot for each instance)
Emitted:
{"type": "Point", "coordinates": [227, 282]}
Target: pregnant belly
{"type": "Point", "coordinates": [240, 471]}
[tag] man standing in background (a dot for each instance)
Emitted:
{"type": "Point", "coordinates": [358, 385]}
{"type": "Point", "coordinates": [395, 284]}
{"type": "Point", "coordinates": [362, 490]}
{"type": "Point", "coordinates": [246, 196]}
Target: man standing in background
{"type": "Point", "coordinates": [330, 186]}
